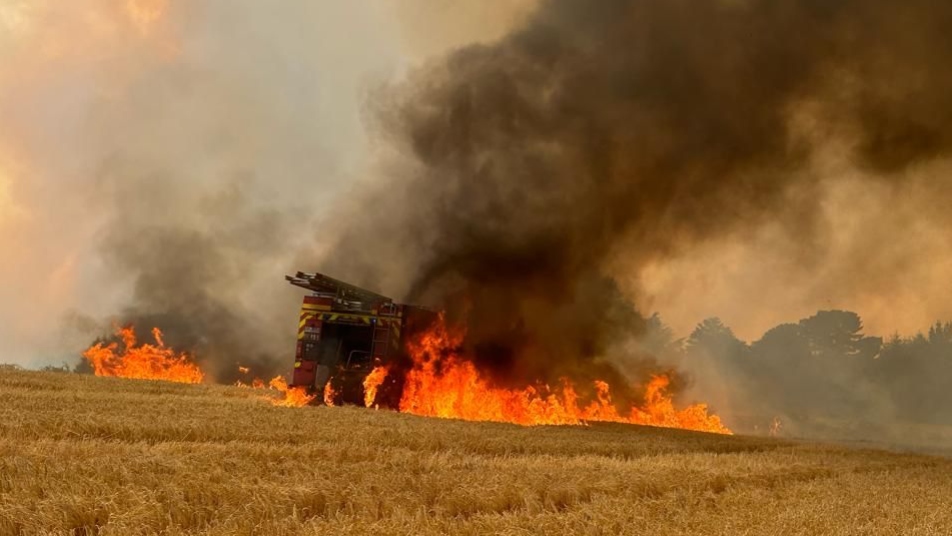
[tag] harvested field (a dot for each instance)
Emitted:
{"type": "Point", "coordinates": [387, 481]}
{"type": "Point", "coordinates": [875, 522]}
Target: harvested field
{"type": "Point", "coordinates": [82, 455]}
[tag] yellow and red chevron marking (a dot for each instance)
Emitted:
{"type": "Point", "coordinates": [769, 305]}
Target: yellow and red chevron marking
{"type": "Point", "coordinates": [305, 320]}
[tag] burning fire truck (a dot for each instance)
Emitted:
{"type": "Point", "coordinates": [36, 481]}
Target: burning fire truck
{"type": "Point", "coordinates": [344, 332]}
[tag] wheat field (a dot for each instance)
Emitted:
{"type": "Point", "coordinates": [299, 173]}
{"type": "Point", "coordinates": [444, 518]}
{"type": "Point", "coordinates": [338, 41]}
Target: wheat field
{"type": "Point", "coordinates": [81, 455]}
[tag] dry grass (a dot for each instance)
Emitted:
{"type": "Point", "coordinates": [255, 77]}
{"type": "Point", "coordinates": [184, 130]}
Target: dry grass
{"type": "Point", "coordinates": [85, 455]}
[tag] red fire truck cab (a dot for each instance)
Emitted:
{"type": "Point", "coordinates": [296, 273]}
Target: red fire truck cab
{"type": "Point", "coordinates": [344, 332]}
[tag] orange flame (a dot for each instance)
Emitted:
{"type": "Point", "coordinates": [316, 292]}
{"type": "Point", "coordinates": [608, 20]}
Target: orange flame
{"type": "Point", "coordinates": [443, 384]}
{"type": "Point", "coordinates": [145, 362]}
{"type": "Point", "coordinates": [372, 382]}
{"type": "Point", "coordinates": [329, 394]}
{"type": "Point", "coordinates": [294, 397]}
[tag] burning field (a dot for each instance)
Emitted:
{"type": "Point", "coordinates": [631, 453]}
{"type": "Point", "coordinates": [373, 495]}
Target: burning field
{"type": "Point", "coordinates": [94, 455]}
{"type": "Point", "coordinates": [439, 383]}
{"type": "Point", "coordinates": [442, 383]}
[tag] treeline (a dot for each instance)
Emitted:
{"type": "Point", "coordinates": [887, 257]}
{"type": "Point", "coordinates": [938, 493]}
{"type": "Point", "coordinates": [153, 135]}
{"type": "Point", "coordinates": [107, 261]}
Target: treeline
{"type": "Point", "coordinates": [822, 367]}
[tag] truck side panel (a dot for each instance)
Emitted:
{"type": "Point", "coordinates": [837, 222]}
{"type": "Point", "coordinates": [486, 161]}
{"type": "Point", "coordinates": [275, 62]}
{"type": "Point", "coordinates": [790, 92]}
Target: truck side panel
{"type": "Point", "coordinates": [309, 334]}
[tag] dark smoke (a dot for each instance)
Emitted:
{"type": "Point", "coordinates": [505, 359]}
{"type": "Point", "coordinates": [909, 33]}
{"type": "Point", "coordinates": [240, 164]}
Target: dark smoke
{"type": "Point", "coordinates": [633, 130]}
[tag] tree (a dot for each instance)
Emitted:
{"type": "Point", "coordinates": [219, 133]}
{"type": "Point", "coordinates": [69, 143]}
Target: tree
{"type": "Point", "coordinates": [915, 371]}
{"type": "Point", "coordinates": [837, 334]}
{"type": "Point", "coordinates": [658, 338]}
{"type": "Point", "coordinates": [713, 340]}
{"type": "Point", "coordinates": [818, 365]}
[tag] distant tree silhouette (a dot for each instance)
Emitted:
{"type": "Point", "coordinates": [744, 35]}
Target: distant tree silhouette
{"type": "Point", "coordinates": [838, 334]}
{"type": "Point", "coordinates": [784, 343]}
{"type": "Point", "coordinates": [781, 368]}
{"type": "Point", "coordinates": [659, 340]}
{"type": "Point", "coordinates": [822, 372]}
{"type": "Point", "coordinates": [717, 361]}
{"type": "Point", "coordinates": [712, 339]}
{"type": "Point", "coordinates": [916, 371]}
{"type": "Point", "coordinates": [941, 335]}
{"type": "Point", "coordinates": [818, 364]}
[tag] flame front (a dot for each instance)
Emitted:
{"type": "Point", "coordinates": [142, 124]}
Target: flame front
{"type": "Point", "coordinates": [443, 384]}
{"type": "Point", "coordinates": [372, 383]}
{"type": "Point", "coordinates": [145, 362]}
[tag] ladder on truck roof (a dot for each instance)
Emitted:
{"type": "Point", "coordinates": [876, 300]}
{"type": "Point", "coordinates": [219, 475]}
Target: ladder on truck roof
{"type": "Point", "coordinates": [335, 288]}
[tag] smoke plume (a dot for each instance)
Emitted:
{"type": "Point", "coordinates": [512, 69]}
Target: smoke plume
{"type": "Point", "coordinates": [618, 135]}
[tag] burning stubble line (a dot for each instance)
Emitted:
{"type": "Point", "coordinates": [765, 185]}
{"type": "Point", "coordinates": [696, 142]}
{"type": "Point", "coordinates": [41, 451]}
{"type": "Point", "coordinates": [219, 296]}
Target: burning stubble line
{"type": "Point", "coordinates": [443, 383]}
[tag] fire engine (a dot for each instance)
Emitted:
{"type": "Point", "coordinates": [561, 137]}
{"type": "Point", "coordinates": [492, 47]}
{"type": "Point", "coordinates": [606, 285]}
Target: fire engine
{"type": "Point", "coordinates": [344, 331]}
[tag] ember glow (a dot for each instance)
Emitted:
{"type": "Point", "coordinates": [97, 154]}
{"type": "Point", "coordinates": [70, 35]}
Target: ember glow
{"type": "Point", "coordinates": [443, 384]}
{"type": "Point", "coordinates": [144, 362]}
{"type": "Point", "coordinates": [372, 382]}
